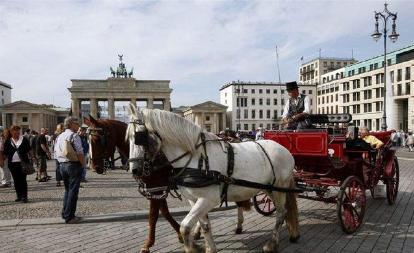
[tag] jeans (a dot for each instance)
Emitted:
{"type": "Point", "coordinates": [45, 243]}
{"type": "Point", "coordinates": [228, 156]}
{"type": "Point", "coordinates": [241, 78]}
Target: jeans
{"type": "Point", "coordinates": [72, 174]}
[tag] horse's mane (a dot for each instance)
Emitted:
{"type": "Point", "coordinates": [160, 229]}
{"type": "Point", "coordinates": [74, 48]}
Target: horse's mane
{"type": "Point", "coordinates": [173, 128]}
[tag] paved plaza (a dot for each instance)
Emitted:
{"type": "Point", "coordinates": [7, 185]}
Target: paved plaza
{"type": "Point", "coordinates": [385, 229]}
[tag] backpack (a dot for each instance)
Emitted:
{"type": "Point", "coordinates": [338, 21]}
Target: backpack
{"type": "Point", "coordinates": [69, 151]}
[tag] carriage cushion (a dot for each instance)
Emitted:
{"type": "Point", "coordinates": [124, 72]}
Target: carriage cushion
{"type": "Point", "coordinates": [195, 178]}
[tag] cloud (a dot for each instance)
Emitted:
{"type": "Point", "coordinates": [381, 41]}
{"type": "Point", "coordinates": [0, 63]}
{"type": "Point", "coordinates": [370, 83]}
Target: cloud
{"type": "Point", "coordinates": [198, 45]}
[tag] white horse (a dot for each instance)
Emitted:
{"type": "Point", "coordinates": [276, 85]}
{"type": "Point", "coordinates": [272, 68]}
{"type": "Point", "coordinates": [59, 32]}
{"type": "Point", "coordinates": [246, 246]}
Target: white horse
{"type": "Point", "coordinates": [180, 138]}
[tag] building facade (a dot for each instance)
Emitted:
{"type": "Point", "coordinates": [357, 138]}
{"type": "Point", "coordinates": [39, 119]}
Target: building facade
{"type": "Point", "coordinates": [121, 87]}
{"type": "Point", "coordinates": [5, 90]}
{"type": "Point", "coordinates": [311, 71]}
{"type": "Point", "coordinates": [251, 105]}
{"type": "Point", "coordinates": [32, 116]}
{"type": "Point", "coordinates": [208, 115]}
{"type": "Point", "coordinates": [358, 89]}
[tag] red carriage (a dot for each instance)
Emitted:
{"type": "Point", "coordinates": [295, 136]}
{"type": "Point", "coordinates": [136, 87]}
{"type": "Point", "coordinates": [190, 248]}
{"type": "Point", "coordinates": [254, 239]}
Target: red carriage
{"type": "Point", "coordinates": [332, 168]}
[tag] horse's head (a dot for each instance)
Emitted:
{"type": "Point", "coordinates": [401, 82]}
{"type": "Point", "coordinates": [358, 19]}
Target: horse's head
{"type": "Point", "coordinates": [101, 148]}
{"type": "Point", "coordinates": [144, 146]}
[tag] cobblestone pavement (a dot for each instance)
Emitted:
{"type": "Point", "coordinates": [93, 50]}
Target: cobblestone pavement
{"type": "Point", "coordinates": [114, 192]}
{"type": "Point", "coordinates": [385, 229]}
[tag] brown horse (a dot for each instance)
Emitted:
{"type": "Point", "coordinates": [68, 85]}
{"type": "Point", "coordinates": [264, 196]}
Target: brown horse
{"type": "Point", "coordinates": [104, 136]}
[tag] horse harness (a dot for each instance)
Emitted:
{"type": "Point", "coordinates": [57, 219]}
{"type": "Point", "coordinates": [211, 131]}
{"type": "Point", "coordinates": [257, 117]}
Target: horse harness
{"type": "Point", "coordinates": [197, 177]}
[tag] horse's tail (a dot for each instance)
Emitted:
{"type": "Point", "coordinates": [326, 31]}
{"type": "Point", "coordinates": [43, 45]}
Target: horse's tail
{"type": "Point", "coordinates": [246, 205]}
{"type": "Point", "coordinates": [292, 215]}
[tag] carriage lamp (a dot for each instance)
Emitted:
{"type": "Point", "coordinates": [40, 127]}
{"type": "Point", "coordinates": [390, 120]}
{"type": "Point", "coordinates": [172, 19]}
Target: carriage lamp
{"type": "Point", "coordinates": [385, 15]}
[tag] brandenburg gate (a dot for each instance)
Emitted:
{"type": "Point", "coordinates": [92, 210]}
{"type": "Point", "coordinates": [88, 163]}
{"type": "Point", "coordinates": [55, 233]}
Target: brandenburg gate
{"type": "Point", "coordinates": [121, 86]}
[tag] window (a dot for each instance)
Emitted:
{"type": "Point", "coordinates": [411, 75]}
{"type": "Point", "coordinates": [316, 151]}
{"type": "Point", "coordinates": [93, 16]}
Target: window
{"type": "Point", "coordinates": [260, 114]}
{"type": "Point", "coordinates": [237, 126]}
{"type": "Point", "coordinates": [24, 119]}
{"type": "Point", "coordinates": [2, 92]}
{"type": "Point", "coordinates": [238, 114]}
{"type": "Point", "coordinates": [275, 101]}
{"type": "Point", "coordinates": [246, 127]}
{"type": "Point", "coordinates": [253, 114]}
{"type": "Point", "coordinates": [253, 127]}
{"type": "Point", "coordinates": [260, 91]}
{"type": "Point", "coordinates": [208, 118]}
{"type": "Point", "coordinates": [267, 91]}
{"type": "Point", "coordinates": [237, 91]}
{"type": "Point", "coordinates": [268, 101]}
{"type": "Point", "coordinates": [253, 101]}
{"type": "Point", "coordinates": [407, 89]}
{"type": "Point", "coordinates": [268, 114]}
{"type": "Point", "coordinates": [310, 92]}
{"type": "Point", "coordinates": [407, 74]}
{"type": "Point", "coordinates": [283, 101]}
{"type": "Point", "coordinates": [246, 114]}
{"type": "Point", "coordinates": [274, 91]}
{"type": "Point", "coordinates": [392, 76]}
{"type": "Point", "coordinates": [267, 126]}
{"type": "Point", "coordinates": [260, 101]}
{"type": "Point", "coordinates": [275, 114]}
{"type": "Point", "coordinates": [282, 91]}
{"type": "Point", "coordinates": [399, 75]}
{"type": "Point", "coordinates": [303, 91]}
{"type": "Point", "coordinates": [253, 91]}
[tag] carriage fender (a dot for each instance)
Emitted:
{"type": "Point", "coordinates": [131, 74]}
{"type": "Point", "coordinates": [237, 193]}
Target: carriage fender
{"type": "Point", "coordinates": [389, 160]}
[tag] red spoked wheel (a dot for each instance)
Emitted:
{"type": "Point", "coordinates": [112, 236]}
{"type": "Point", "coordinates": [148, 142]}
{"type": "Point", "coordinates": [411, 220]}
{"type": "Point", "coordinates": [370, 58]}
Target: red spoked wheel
{"type": "Point", "coordinates": [392, 183]}
{"type": "Point", "coordinates": [351, 204]}
{"type": "Point", "coordinates": [263, 204]}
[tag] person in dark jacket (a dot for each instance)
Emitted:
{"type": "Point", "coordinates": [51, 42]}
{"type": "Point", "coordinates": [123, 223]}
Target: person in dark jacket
{"type": "Point", "coordinates": [17, 148]}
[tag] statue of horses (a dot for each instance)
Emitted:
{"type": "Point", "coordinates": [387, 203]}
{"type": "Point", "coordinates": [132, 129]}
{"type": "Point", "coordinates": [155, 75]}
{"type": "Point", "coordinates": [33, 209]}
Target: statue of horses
{"type": "Point", "coordinates": [188, 148]}
{"type": "Point", "coordinates": [104, 136]}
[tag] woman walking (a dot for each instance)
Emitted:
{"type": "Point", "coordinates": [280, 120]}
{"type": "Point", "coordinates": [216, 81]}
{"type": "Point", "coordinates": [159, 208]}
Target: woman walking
{"type": "Point", "coordinates": [17, 149]}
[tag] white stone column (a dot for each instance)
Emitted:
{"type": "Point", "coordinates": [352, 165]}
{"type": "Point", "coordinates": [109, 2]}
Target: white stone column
{"type": "Point", "coordinates": [167, 104]}
{"type": "Point", "coordinates": [150, 103]}
{"type": "Point", "coordinates": [4, 120]}
{"type": "Point", "coordinates": [111, 108]}
{"type": "Point", "coordinates": [75, 107]}
{"type": "Point", "coordinates": [14, 120]}
{"type": "Point", "coordinates": [133, 101]}
{"type": "Point", "coordinates": [203, 115]}
{"type": "Point", "coordinates": [216, 123]}
{"type": "Point", "coordinates": [29, 119]}
{"type": "Point", "coordinates": [94, 107]}
{"type": "Point", "coordinates": [223, 118]}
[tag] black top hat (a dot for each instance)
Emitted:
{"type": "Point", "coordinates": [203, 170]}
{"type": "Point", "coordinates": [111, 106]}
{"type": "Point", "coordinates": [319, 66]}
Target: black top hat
{"type": "Point", "coordinates": [291, 85]}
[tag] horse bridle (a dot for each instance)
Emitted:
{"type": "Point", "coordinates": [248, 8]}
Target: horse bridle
{"type": "Point", "coordinates": [94, 131]}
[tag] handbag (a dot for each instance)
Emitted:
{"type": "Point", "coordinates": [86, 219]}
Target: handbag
{"type": "Point", "coordinates": [26, 162]}
{"type": "Point", "coordinates": [68, 150]}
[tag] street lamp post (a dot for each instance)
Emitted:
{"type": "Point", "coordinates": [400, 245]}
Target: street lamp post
{"type": "Point", "coordinates": [384, 16]}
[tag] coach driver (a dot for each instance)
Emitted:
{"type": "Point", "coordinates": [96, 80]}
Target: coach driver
{"type": "Point", "coordinates": [296, 109]}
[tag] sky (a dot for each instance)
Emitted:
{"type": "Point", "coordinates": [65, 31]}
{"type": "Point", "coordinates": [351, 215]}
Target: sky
{"type": "Point", "coordinates": [198, 45]}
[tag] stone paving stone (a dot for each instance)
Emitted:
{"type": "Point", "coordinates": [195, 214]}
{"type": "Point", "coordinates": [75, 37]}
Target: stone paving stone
{"type": "Point", "coordinates": [386, 229]}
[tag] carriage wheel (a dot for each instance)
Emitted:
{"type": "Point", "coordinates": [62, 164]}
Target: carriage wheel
{"type": "Point", "coordinates": [351, 204]}
{"type": "Point", "coordinates": [263, 204]}
{"type": "Point", "coordinates": [392, 183]}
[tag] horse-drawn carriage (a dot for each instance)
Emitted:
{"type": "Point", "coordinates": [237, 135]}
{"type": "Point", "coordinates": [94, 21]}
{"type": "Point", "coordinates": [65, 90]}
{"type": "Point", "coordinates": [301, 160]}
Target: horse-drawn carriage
{"type": "Point", "coordinates": [332, 168]}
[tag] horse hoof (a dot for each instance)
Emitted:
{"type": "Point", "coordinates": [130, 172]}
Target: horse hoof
{"type": "Point", "coordinates": [270, 247]}
{"type": "Point", "coordinates": [144, 250]}
{"type": "Point", "coordinates": [239, 231]}
{"type": "Point", "coordinates": [294, 239]}
{"type": "Point", "coordinates": [197, 236]}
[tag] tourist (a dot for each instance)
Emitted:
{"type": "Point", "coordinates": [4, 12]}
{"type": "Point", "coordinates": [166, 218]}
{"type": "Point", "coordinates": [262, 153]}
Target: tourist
{"type": "Point", "coordinates": [43, 154]}
{"type": "Point", "coordinates": [70, 167]}
{"type": "Point", "coordinates": [259, 134]}
{"type": "Point", "coordinates": [373, 141]}
{"type": "Point", "coordinates": [27, 134]}
{"type": "Point", "coordinates": [17, 149]}
{"type": "Point", "coordinates": [410, 142]}
{"type": "Point", "coordinates": [5, 176]}
{"type": "Point", "coordinates": [58, 131]}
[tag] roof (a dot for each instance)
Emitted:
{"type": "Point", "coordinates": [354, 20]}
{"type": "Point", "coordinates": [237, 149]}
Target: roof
{"type": "Point", "coordinates": [37, 106]}
{"type": "Point", "coordinates": [206, 104]}
{"type": "Point", "coordinates": [329, 59]}
{"type": "Point", "coordinates": [5, 85]}
{"type": "Point", "coordinates": [236, 83]}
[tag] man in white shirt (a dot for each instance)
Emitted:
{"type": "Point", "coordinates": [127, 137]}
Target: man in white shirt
{"type": "Point", "coordinates": [71, 171]}
{"type": "Point", "coordinates": [296, 109]}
